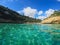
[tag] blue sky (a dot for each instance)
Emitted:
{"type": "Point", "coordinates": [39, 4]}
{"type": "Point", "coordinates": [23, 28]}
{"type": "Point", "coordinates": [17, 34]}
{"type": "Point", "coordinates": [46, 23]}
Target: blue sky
{"type": "Point", "coordinates": [39, 9]}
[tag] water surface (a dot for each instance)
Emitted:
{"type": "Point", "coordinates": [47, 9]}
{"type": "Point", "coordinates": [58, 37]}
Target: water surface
{"type": "Point", "coordinates": [29, 34]}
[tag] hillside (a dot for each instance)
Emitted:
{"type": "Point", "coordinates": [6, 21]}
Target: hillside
{"type": "Point", "coordinates": [9, 16]}
{"type": "Point", "coordinates": [53, 19]}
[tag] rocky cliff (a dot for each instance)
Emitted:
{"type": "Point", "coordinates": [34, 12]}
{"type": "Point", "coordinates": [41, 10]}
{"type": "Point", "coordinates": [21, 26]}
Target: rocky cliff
{"type": "Point", "coordinates": [53, 19]}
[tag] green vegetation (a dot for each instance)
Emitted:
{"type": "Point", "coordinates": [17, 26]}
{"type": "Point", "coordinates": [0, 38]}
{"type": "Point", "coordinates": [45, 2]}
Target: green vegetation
{"type": "Point", "coordinates": [9, 16]}
{"type": "Point", "coordinates": [56, 13]}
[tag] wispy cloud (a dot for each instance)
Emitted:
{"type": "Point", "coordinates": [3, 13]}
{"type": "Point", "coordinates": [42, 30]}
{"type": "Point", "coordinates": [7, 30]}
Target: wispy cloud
{"type": "Point", "coordinates": [58, 0]}
{"type": "Point", "coordinates": [40, 12]}
{"type": "Point", "coordinates": [28, 11]}
{"type": "Point", "coordinates": [49, 12]}
{"type": "Point", "coordinates": [6, 1]}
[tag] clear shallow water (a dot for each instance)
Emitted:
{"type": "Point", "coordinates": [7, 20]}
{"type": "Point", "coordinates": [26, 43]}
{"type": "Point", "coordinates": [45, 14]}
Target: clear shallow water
{"type": "Point", "coordinates": [29, 34]}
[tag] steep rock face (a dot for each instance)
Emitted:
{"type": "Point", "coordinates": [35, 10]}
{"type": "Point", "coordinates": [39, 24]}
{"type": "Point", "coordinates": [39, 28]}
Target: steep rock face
{"type": "Point", "coordinates": [53, 19]}
{"type": "Point", "coordinates": [9, 16]}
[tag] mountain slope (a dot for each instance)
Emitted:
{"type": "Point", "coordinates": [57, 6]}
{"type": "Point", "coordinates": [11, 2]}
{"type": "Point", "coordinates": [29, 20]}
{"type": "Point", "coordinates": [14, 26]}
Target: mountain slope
{"type": "Point", "coordinates": [9, 16]}
{"type": "Point", "coordinates": [53, 19]}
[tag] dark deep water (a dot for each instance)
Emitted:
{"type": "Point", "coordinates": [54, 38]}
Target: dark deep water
{"type": "Point", "coordinates": [29, 34]}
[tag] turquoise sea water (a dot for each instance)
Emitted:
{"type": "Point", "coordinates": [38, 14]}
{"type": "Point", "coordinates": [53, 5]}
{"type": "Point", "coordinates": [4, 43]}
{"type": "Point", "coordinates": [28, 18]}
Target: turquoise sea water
{"type": "Point", "coordinates": [29, 34]}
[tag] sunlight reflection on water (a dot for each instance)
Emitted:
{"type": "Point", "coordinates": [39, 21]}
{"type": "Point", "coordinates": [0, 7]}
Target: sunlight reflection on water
{"type": "Point", "coordinates": [30, 34]}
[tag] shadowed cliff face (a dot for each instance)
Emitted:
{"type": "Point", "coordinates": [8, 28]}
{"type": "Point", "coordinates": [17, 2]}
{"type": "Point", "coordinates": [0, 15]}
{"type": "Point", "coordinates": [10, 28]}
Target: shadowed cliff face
{"type": "Point", "coordinates": [53, 19]}
{"type": "Point", "coordinates": [10, 16]}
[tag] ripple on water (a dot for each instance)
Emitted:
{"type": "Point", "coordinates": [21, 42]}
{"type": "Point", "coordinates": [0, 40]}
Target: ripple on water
{"type": "Point", "coordinates": [29, 34]}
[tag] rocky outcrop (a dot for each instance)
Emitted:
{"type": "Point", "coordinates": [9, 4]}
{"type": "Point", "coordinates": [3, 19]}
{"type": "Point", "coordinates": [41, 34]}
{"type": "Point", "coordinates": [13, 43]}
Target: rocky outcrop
{"type": "Point", "coordinates": [52, 20]}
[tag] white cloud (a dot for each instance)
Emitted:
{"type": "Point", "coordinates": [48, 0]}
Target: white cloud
{"type": "Point", "coordinates": [46, 14]}
{"type": "Point", "coordinates": [29, 12]}
{"type": "Point", "coordinates": [41, 17]}
{"type": "Point", "coordinates": [49, 12]}
{"type": "Point", "coordinates": [34, 13]}
{"type": "Point", "coordinates": [58, 0]}
{"type": "Point", "coordinates": [40, 12]}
